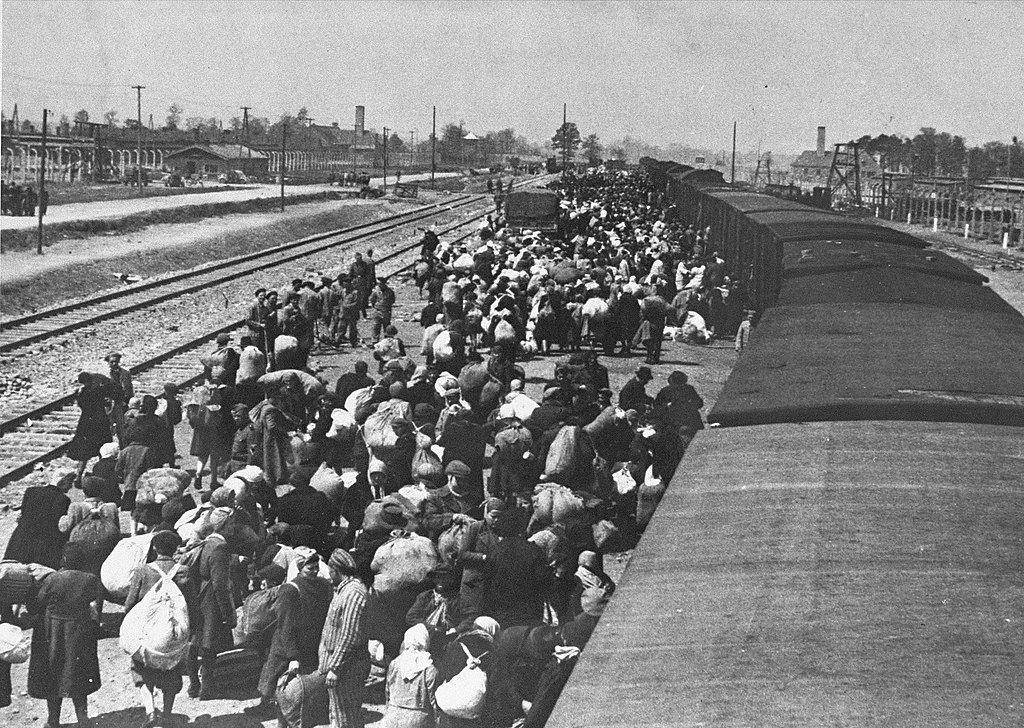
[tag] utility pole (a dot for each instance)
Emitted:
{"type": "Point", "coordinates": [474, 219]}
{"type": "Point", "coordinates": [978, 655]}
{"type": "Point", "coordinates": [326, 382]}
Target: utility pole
{"type": "Point", "coordinates": [42, 189]}
{"type": "Point", "coordinates": [245, 135]}
{"type": "Point", "coordinates": [433, 148]}
{"type": "Point", "coordinates": [412, 148]}
{"type": "Point", "coordinates": [733, 178]}
{"type": "Point", "coordinates": [138, 168]}
{"type": "Point", "coordinates": [565, 136]}
{"type": "Point", "coordinates": [385, 160]}
{"type": "Point", "coordinates": [284, 142]}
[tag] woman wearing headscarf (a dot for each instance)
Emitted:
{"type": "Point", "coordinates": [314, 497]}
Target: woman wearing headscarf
{"type": "Point", "coordinates": [64, 661]}
{"type": "Point", "coordinates": [475, 643]}
{"type": "Point", "coordinates": [38, 539]}
{"type": "Point", "coordinates": [301, 608]}
{"type": "Point", "coordinates": [412, 679]}
{"type": "Point", "coordinates": [93, 428]}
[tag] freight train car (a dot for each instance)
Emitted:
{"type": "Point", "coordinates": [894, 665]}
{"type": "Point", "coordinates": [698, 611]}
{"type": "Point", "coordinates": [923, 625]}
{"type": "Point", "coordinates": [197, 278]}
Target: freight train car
{"type": "Point", "coordinates": [846, 546]}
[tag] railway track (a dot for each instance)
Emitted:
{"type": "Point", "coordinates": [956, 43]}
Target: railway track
{"type": "Point", "coordinates": [32, 437]}
{"type": "Point", "coordinates": [18, 333]}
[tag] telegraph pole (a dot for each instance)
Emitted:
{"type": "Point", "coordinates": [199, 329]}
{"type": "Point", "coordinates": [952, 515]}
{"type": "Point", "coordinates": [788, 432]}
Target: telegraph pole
{"type": "Point", "coordinates": [42, 189]}
{"type": "Point", "coordinates": [433, 148]}
{"type": "Point", "coordinates": [565, 137]}
{"type": "Point", "coordinates": [138, 167]}
{"type": "Point", "coordinates": [385, 160]}
{"type": "Point", "coordinates": [245, 135]}
{"type": "Point", "coordinates": [284, 140]}
{"type": "Point", "coordinates": [412, 148]}
{"type": "Point", "coordinates": [733, 178]}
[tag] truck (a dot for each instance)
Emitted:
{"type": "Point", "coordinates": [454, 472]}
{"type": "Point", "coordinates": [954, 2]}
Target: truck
{"type": "Point", "coordinates": [533, 210]}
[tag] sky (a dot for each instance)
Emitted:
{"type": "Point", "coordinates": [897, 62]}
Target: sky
{"type": "Point", "coordinates": [663, 72]}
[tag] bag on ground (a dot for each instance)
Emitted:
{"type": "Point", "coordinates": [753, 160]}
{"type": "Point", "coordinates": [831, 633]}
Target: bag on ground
{"type": "Point", "coordinates": [303, 701]}
{"type": "Point", "coordinates": [116, 572]}
{"type": "Point", "coordinates": [15, 644]}
{"type": "Point", "coordinates": [155, 632]}
{"type": "Point", "coordinates": [463, 696]}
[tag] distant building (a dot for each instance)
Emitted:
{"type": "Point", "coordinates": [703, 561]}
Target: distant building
{"type": "Point", "coordinates": [211, 160]}
{"type": "Point", "coordinates": [812, 167]}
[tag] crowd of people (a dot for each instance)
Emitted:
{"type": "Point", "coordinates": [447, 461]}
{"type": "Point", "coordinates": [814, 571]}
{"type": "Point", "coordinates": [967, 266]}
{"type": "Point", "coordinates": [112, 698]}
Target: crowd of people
{"type": "Point", "coordinates": [21, 200]}
{"type": "Point", "coordinates": [428, 523]}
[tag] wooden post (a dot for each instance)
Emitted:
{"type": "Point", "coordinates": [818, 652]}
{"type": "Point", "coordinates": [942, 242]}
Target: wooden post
{"type": "Point", "coordinates": [284, 138]}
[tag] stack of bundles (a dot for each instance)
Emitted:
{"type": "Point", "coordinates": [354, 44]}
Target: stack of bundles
{"type": "Point", "coordinates": [97, 534]}
{"type": "Point", "coordinates": [570, 459]}
{"type": "Point", "coordinates": [116, 572]}
{"type": "Point", "coordinates": [426, 465]}
{"type": "Point", "coordinates": [296, 379]}
{"type": "Point", "coordinates": [403, 563]}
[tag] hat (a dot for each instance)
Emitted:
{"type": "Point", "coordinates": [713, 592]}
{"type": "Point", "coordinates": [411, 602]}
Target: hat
{"type": "Point", "coordinates": [112, 356]}
{"type": "Point", "coordinates": [223, 339]}
{"type": "Point", "coordinates": [645, 372]}
{"type": "Point", "coordinates": [458, 468]}
{"type": "Point", "coordinates": [394, 365]}
{"type": "Point", "coordinates": [109, 450]}
{"type": "Point", "coordinates": [341, 560]}
{"type": "Point", "coordinates": [240, 409]}
{"type": "Point", "coordinates": [392, 515]}
{"type": "Point", "coordinates": [452, 387]}
{"type": "Point", "coordinates": [396, 390]}
{"type": "Point", "coordinates": [391, 330]}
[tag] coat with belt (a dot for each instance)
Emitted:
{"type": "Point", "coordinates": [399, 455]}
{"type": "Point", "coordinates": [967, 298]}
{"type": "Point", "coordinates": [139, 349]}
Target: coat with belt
{"type": "Point", "coordinates": [215, 608]}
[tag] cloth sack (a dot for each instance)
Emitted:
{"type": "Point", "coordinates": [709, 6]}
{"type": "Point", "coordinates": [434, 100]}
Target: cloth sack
{"type": "Point", "coordinates": [116, 572]}
{"type": "Point", "coordinates": [303, 701]}
{"type": "Point", "coordinates": [159, 485]}
{"type": "Point", "coordinates": [358, 398]}
{"type": "Point", "coordinates": [15, 645]}
{"type": "Point", "coordinates": [155, 632]}
{"type": "Point", "coordinates": [256, 617]}
{"type": "Point", "coordinates": [463, 696]}
{"type": "Point", "coordinates": [452, 541]}
{"type": "Point", "coordinates": [403, 562]}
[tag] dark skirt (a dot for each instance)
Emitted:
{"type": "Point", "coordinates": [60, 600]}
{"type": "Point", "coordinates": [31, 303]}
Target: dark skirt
{"type": "Point", "coordinates": [63, 662]}
{"type": "Point", "coordinates": [90, 435]}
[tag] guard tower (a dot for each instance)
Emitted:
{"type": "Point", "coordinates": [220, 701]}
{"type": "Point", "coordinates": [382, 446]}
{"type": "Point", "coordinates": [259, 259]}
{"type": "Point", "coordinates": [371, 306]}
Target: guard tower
{"type": "Point", "coordinates": [844, 175]}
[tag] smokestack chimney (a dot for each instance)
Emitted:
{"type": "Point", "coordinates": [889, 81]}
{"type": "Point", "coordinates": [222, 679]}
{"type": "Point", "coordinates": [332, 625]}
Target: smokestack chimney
{"type": "Point", "coordinates": [360, 119]}
{"type": "Point", "coordinates": [821, 141]}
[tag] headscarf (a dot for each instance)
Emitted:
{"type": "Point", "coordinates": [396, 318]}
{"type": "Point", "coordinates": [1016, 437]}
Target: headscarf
{"type": "Point", "coordinates": [414, 658]}
{"type": "Point", "coordinates": [108, 450]}
{"type": "Point", "coordinates": [487, 625]}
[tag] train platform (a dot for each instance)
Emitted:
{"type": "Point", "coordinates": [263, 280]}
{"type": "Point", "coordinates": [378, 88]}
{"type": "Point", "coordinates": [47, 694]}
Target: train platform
{"type": "Point", "coordinates": [108, 209]}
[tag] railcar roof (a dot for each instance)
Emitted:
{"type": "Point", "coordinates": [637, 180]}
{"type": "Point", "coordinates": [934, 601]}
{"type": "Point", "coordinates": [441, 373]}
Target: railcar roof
{"type": "Point", "coordinates": [812, 257]}
{"type": "Point", "coordinates": [745, 201]}
{"type": "Point", "coordinates": [811, 224]}
{"type": "Point", "coordinates": [878, 361]}
{"type": "Point", "coordinates": [834, 573]}
{"type": "Point", "coordinates": [892, 286]}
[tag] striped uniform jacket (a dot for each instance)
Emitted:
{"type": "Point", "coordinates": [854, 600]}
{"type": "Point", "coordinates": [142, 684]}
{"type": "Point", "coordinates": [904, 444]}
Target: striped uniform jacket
{"type": "Point", "coordinates": [344, 635]}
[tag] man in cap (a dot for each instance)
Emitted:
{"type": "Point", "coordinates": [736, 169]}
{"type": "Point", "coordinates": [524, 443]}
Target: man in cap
{"type": "Point", "coordinates": [382, 300]}
{"type": "Point", "coordinates": [634, 395]}
{"type": "Point", "coordinates": [122, 390]}
{"type": "Point", "coordinates": [301, 610]}
{"type": "Point", "coordinates": [344, 654]}
{"type": "Point", "coordinates": [353, 380]}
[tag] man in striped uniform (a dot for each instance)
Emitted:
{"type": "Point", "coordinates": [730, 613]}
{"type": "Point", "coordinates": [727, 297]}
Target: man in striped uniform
{"type": "Point", "coordinates": [344, 654]}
